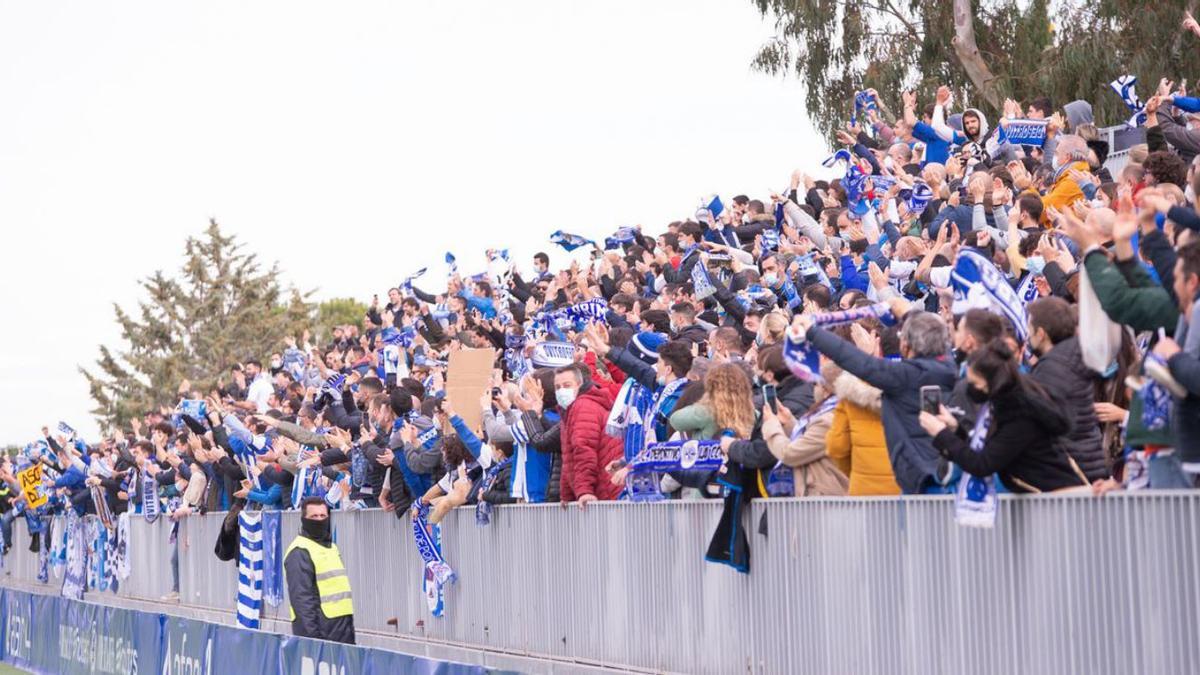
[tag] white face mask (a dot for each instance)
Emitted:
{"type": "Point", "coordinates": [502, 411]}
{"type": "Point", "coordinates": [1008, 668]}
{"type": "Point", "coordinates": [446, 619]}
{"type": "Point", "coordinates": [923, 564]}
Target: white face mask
{"type": "Point", "coordinates": [770, 279]}
{"type": "Point", "coordinates": [565, 397]}
{"type": "Point", "coordinates": [1055, 163]}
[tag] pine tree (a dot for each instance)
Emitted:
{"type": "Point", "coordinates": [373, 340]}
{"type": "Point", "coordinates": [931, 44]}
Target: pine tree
{"type": "Point", "coordinates": [338, 312]}
{"type": "Point", "coordinates": [985, 51]}
{"type": "Point", "coordinates": [222, 308]}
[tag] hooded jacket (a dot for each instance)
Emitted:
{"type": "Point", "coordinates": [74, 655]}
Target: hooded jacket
{"type": "Point", "coordinates": [855, 441]}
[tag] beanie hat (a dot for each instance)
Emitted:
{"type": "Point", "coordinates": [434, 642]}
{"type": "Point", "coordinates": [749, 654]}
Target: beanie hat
{"type": "Point", "coordinates": [645, 346]}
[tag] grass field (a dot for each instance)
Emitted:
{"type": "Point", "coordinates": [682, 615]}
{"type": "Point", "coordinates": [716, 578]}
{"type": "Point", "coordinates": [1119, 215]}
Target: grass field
{"type": "Point", "coordinates": [6, 669]}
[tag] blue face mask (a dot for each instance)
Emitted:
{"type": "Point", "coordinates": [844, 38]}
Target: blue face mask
{"type": "Point", "coordinates": [1036, 264]}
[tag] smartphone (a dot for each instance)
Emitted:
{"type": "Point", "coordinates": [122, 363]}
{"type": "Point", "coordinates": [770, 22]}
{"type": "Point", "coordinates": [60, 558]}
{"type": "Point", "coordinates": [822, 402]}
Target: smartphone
{"type": "Point", "coordinates": [931, 399]}
{"type": "Point", "coordinates": [770, 398]}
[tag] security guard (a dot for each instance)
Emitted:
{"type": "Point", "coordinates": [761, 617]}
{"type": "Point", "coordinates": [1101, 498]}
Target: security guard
{"type": "Point", "coordinates": [318, 588]}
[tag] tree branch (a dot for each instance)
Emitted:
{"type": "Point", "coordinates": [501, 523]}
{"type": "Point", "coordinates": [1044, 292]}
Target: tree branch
{"type": "Point", "coordinates": [968, 55]}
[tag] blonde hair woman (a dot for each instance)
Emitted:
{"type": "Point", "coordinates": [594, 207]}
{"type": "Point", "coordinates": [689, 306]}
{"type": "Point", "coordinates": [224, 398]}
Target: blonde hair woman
{"type": "Point", "coordinates": [727, 404]}
{"type": "Point", "coordinates": [771, 329]}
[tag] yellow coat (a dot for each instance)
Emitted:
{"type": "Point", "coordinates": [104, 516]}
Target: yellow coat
{"type": "Point", "coordinates": [1064, 193]}
{"type": "Point", "coordinates": [855, 440]}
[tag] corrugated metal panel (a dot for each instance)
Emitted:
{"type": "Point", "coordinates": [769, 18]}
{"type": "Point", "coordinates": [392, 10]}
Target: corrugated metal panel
{"type": "Point", "coordinates": [1062, 584]}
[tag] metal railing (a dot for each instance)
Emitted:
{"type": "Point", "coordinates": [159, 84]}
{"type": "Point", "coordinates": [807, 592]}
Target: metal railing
{"type": "Point", "coordinates": [1061, 584]}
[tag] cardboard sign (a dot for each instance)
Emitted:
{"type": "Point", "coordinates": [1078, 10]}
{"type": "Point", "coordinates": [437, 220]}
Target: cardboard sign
{"type": "Point", "coordinates": [467, 376]}
{"type": "Point", "coordinates": [31, 480]}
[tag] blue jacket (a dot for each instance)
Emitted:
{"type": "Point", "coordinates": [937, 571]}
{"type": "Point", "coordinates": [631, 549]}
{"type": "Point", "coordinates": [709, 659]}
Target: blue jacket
{"type": "Point", "coordinates": [484, 305]}
{"type": "Point", "coordinates": [937, 150]}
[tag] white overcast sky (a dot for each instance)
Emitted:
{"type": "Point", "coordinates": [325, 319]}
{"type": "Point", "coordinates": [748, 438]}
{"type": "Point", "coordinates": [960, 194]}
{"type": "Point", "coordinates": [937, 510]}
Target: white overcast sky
{"type": "Point", "coordinates": [352, 142]}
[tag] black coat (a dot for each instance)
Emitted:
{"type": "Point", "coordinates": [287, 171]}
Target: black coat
{"type": "Point", "coordinates": [306, 602]}
{"type": "Point", "coordinates": [1062, 373]}
{"type": "Point", "coordinates": [795, 394]}
{"type": "Point", "coordinates": [1021, 444]}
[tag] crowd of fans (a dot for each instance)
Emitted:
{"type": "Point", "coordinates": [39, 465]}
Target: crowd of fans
{"type": "Point", "coordinates": [1015, 312]}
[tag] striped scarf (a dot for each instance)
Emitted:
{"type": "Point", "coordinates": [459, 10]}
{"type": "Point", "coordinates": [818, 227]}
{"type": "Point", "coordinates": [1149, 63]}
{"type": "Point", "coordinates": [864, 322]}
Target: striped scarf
{"type": "Point", "coordinates": [428, 539]}
{"type": "Point", "coordinates": [250, 569]}
{"type": "Point", "coordinates": [663, 405]}
{"type": "Point", "coordinates": [483, 508]}
{"type": "Point", "coordinates": [305, 484]}
{"type": "Point", "coordinates": [627, 418]}
{"type": "Point", "coordinates": [979, 283]}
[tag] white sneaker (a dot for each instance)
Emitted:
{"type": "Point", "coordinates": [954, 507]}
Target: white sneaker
{"type": "Point", "coordinates": [173, 596]}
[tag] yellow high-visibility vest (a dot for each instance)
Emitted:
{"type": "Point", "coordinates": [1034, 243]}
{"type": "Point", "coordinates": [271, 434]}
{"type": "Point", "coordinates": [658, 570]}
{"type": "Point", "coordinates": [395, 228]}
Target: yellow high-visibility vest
{"type": "Point", "coordinates": [332, 583]}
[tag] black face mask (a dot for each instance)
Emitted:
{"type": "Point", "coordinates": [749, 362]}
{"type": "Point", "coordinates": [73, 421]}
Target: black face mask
{"type": "Point", "coordinates": [976, 394]}
{"type": "Point", "coordinates": [960, 356]}
{"type": "Point", "coordinates": [317, 530]}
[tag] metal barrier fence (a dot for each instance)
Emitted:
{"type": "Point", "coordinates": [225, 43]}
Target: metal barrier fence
{"type": "Point", "coordinates": [1062, 584]}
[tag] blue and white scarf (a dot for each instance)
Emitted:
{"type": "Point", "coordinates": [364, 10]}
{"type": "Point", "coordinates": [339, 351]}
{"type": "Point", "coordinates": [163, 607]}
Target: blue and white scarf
{"type": "Point", "coordinates": [863, 100]}
{"type": "Point", "coordinates": [1027, 290]}
{"type": "Point", "coordinates": [587, 311]}
{"type": "Point", "coordinates": [658, 425]}
{"type": "Point", "coordinates": [627, 418]}
{"type": "Point", "coordinates": [623, 236]}
{"type": "Point", "coordinates": [483, 508]}
{"type": "Point", "coordinates": [437, 572]}
{"type": "Point", "coordinates": [97, 542]}
{"type": "Point", "coordinates": [75, 578]}
{"type": "Point", "coordinates": [781, 481]}
{"type": "Point", "coordinates": [553, 354]}
{"type": "Point", "coordinates": [113, 549]}
{"type": "Point", "coordinates": [43, 571]}
{"type": "Point", "coordinates": [250, 569]}
{"type": "Point", "coordinates": [842, 155]}
{"type": "Point", "coordinates": [452, 264]}
{"type": "Point", "coordinates": [977, 282]}
{"type": "Point", "coordinates": [1156, 400]}
{"type": "Point", "coordinates": [1124, 86]}
{"type": "Point", "coordinates": [307, 478]}
{"type": "Point", "coordinates": [407, 284]}
{"type": "Point", "coordinates": [803, 360]}
{"type": "Point", "coordinates": [1023, 132]}
{"type": "Point", "coordinates": [66, 430]}
{"type": "Point", "coordinates": [701, 282]}
{"type": "Point", "coordinates": [121, 559]}
{"type": "Point", "coordinates": [975, 502]}
{"type": "Point", "coordinates": [919, 197]}
{"type": "Point", "coordinates": [149, 497]}
{"type": "Point", "coordinates": [514, 355]}
{"type": "Point", "coordinates": [56, 538]}
{"type": "Point", "coordinates": [272, 558]}
{"type": "Point", "coordinates": [568, 241]}
{"type": "Point", "coordinates": [644, 478]}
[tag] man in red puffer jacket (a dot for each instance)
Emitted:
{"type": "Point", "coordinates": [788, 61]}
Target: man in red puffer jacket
{"type": "Point", "coordinates": [586, 449]}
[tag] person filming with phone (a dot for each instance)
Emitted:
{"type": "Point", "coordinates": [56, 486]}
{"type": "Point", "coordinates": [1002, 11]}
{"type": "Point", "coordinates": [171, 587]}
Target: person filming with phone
{"type": "Point", "coordinates": [1018, 430]}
